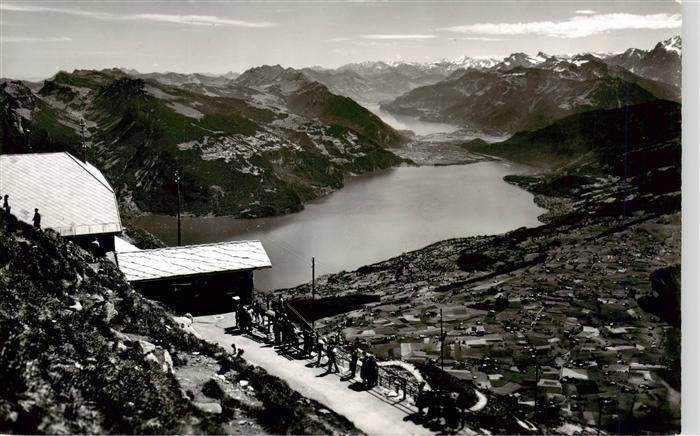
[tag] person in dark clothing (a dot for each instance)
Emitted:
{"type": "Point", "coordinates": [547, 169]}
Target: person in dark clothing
{"type": "Point", "coordinates": [434, 414]}
{"type": "Point", "coordinates": [332, 362]}
{"type": "Point", "coordinates": [37, 219]}
{"type": "Point", "coordinates": [245, 320]}
{"type": "Point", "coordinates": [6, 204]}
{"type": "Point", "coordinates": [307, 341]}
{"type": "Point", "coordinates": [292, 339]}
{"type": "Point", "coordinates": [451, 412]}
{"type": "Point", "coordinates": [354, 355]}
{"type": "Point", "coordinates": [319, 351]}
{"type": "Point", "coordinates": [463, 403]}
{"type": "Point", "coordinates": [95, 247]}
{"type": "Point", "coordinates": [277, 331]}
{"type": "Point", "coordinates": [372, 371]}
{"type": "Point", "coordinates": [364, 371]}
{"type": "Point", "coordinates": [421, 398]}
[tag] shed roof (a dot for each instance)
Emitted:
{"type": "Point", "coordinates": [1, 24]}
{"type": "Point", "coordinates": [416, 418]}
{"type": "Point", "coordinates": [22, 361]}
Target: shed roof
{"type": "Point", "coordinates": [191, 260]}
{"type": "Point", "coordinates": [73, 197]}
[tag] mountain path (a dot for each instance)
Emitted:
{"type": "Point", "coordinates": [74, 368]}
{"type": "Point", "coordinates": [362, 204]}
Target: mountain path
{"type": "Point", "coordinates": [371, 412]}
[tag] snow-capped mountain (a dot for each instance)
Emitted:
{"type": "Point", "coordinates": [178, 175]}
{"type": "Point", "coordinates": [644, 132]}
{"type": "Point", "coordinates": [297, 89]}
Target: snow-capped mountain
{"type": "Point", "coordinates": [662, 63]}
{"type": "Point", "coordinates": [377, 81]}
{"type": "Point", "coordinates": [524, 92]}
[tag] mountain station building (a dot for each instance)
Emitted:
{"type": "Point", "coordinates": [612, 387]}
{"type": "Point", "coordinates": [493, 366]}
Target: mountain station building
{"type": "Point", "coordinates": [72, 196]}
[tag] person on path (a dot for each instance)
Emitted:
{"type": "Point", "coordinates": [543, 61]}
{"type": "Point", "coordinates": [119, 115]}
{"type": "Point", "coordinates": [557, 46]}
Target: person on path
{"type": "Point", "coordinates": [277, 331]}
{"type": "Point", "coordinates": [6, 204]}
{"type": "Point", "coordinates": [354, 355]}
{"type": "Point", "coordinates": [246, 320]}
{"type": "Point", "coordinates": [372, 374]}
{"type": "Point", "coordinates": [434, 410]}
{"type": "Point", "coordinates": [463, 403]}
{"type": "Point", "coordinates": [308, 344]}
{"type": "Point", "coordinates": [293, 339]}
{"type": "Point", "coordinates": [451, 412]}
{"type": "Point", "coordinates": [374, 381]}
{"type": "Point", "coordinates": [319, 351]}
{"type": "Point", "coordinates": [332, 362]}
{"type": "Point", "coordinates": [364, 371]}
{"type": "Point", "coordinates": [37, 219]}
{"type": "Point", "coordinates": [421, 398]}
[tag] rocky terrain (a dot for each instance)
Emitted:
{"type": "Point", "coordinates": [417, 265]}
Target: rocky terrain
{"type": "Point", "coordinates": [259, 145]}
{"type": "Point", "coordinates": [82, 352]}
{"type": "Point", "coordinates": [563, 323]}
{"type": "Point", "coordinates": [526, 93]}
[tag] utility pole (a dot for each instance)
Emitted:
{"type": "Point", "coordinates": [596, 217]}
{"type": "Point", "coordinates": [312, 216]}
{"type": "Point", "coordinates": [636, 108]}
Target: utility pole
{"type": "Point", "coordinates": [442, 344]}
{"type": "Point", "coordinates": [602, 402]}
{"type": "Point", "coordinates": [82, 139]}
{"type": "Point", "coordinates": [179, 234]}
{"type": "Point", "coordinates": [29, 142]}
{"type": "Point", "coordinates": [313, 289]}
{"type": "Point", "coordinates": [538, 375]}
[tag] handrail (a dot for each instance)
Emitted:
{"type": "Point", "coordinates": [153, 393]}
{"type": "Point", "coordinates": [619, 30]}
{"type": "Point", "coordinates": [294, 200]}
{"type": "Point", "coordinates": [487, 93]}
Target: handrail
{"type": "Point", "coordinates": [304, 320]}
{"type": "Point", "coordinates": [387, 377]}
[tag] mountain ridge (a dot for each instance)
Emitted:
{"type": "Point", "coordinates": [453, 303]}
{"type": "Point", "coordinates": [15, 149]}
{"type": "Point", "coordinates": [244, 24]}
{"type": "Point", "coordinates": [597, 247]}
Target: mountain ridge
{"type": "Point", "coordinates": [241, 150]}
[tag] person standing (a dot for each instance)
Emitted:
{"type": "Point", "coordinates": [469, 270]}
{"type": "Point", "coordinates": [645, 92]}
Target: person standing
{"type": "Point", "coordinates": [276, 330]}
{"type": "Point", "coordinates": [421, 398]}
{"type": "Point", "coordinates": [373, 372]}
{"type": "Point", "coordinates": [37, 219]}
{"type": "Point", "coordinates": [6, 204]}
{"type": "Point", "coordinates": [307, 341]}
{"type": "Point", "coordinates": [332, 362]}
{"type": "Point", "coordinates": [364, 371]}
{"type": "Point", "coordinates": [354, 355]}
{"type": "Point", "coordinates": [319, 351]}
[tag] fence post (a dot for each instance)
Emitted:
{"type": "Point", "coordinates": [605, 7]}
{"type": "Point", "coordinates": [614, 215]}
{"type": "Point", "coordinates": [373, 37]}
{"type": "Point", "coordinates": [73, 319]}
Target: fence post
{"type": "Point", "coordinates": [403, 386]}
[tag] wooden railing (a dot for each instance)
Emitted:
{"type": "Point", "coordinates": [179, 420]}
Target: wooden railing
{"type": "Point", "coordinates": [389, 378]}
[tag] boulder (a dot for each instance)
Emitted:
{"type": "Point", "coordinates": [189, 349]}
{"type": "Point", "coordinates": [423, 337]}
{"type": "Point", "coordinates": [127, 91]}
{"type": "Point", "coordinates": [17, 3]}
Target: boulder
{"type": "Point", "coordinates": [208, 407]}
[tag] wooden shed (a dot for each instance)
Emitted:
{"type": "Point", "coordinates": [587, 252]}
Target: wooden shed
{"type": "Point", "coordinates": [196, 279]}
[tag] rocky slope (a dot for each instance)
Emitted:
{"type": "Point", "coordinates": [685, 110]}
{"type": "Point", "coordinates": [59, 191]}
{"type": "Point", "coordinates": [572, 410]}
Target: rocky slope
{"type": "Point", "coordinates": [82, 352]}
{"type": "Point", "coordinates": [524, 93]}
{"type": "Point", "coordinates": [247, 147]}
{"type": "Point", "coordinates": [378, 81]}
{"type": "Point", "coordinates": [573, 138]}
{"type": "Point", "coordinates": [580, 292]}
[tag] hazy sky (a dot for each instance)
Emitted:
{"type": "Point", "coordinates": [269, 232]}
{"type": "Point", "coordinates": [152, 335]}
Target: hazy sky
{"type": "Point", "coordinates": [39, 38]}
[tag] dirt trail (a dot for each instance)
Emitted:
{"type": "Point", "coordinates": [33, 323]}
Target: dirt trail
{"type": "Point", "coordinates": [370, 412]}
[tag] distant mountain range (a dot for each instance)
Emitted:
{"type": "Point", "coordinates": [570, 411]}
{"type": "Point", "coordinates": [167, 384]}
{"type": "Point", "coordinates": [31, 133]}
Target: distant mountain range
{"type": "Point", "coordinates": [379, 81]}
{"type": "Point", "coordinates": [257, 146]}
{"type": "Point", "coordinates": [263, 142]}
{"type": "Point", "coordinates": [524, 93]}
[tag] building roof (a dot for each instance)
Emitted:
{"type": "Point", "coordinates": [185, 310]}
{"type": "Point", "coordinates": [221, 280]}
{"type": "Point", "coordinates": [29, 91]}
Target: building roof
{"type": "Point", "coordinates": [122, 245]}
{"type": "Point", "coordinates": [191, 260]}
{"type": "Point", "coordinates": [73, 197]}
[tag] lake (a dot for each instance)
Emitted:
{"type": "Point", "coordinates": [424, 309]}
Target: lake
{"type": "Point", "coordinates": [373, 218]}
{"type": "Point", "coordinates": [404, 122]}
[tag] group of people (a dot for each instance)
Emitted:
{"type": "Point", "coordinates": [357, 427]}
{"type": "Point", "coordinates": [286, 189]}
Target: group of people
{"type": "Point", "coordinates": [369, 373]}
{"type": "Point", "coordinates": [439, 404]}
{"type": "Point", "coordinates": [244, 319]}
{"type": "Point", "coordinates": [284, 333]}
{"type": "Point", "coordinates": [433, 405]}
{"type": "Point", "coordinates": [36, 219]}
